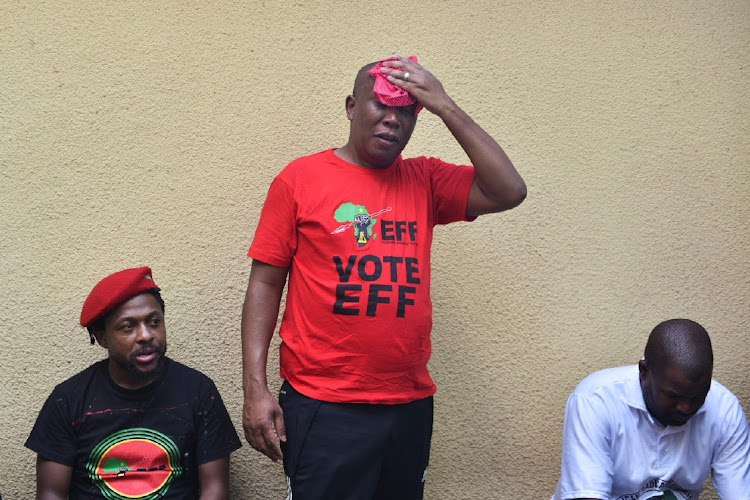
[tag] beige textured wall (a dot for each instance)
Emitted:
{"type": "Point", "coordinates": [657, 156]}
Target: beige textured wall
{"type": "Point", "coordinates": [147, 133]}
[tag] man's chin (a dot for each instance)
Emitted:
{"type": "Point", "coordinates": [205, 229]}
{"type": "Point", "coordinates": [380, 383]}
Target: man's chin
{"type": "Point", "coordinates": [149, 374]}
{"type": "Point", "coordinates": [679, 421]}
{"type": "Point", "coordinates": [385, 158]}
{"type": "Point", "coordinates": [381, 163]}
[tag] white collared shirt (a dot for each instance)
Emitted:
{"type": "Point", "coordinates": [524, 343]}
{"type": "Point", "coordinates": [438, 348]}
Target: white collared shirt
{"type": "Point", "coordinates": [614, 449]}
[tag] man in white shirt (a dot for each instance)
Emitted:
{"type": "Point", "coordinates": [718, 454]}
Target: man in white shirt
{"type": "Point", "coordinates": [656, 429]}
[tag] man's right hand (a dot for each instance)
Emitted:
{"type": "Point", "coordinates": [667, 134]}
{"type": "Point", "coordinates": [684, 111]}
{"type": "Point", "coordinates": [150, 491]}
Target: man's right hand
{"type": "Point", "coordinates": [263, 421]}
{"type": "Point", "coordinates": [262, 417]}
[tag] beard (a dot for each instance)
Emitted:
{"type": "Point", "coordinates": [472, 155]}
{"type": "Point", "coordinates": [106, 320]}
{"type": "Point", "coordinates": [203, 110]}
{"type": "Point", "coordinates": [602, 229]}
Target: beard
{"type": "Point", "coordinates": [145, 376]}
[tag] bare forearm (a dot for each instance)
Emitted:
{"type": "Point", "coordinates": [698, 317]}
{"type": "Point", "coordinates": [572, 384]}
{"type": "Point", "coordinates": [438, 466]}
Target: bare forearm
{"type": "Point", "coordinates": [256, 339]}
{"type": "Point", "coordinates": [497, 185]}
{"type": "Point", "coordinates": [495, 175]}
{"type": "Point", "coordinates": [262, 417]}
{"type": "Point", "coordinates": [259, 313]}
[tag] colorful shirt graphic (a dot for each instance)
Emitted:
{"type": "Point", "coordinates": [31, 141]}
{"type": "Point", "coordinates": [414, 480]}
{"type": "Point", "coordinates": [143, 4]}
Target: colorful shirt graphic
{"type": "Point", "coordinates": [134, 463]}
{"type": "Point", "coordinates": [358, 217]}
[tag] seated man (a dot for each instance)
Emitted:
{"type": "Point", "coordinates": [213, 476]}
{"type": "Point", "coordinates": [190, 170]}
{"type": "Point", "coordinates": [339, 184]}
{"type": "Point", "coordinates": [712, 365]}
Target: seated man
{"type": "Point", "coordinates": [657, 429]}
{"type": "Point", "coordinates": [138, 424]}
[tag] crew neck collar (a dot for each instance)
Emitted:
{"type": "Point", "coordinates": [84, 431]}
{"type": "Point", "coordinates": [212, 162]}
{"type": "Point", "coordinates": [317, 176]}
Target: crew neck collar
{"type": "Point", "coordinates": [136, 393]}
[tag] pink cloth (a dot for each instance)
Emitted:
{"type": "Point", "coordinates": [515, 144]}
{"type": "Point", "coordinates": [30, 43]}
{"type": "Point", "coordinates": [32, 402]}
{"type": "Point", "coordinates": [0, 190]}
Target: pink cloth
{"type": "Point", "coordinates": [388, 93]}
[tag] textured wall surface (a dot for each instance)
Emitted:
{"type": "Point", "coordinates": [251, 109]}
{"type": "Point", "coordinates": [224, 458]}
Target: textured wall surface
{"type": "Point", "coordinates": [147, 133]}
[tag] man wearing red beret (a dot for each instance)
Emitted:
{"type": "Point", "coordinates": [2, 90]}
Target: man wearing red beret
{"type": "Point", "coordinates": [352, 229]}
{"type": "Point", "coordinates": [138, 424]}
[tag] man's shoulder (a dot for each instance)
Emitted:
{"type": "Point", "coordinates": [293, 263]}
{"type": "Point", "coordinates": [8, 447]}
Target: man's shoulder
{"type": "Point", "coordinates": [307, 160]}
{"type": "Point", "coordinates": [611, 388]}
{"type": "Point", "coordinates": [306, 169]}
{"type": "Point", "coordinates": [421, 162]}
{"type": "Point", "coordinates": [608, 379]}
{"type": "Point", "coordinates": [436, 169]}
{"type": "Point", "coordinates": [78, 382]}
{"type": "Point", "coordinates": [606, 397]}
{"type": "Point", "coordinates": [179, 372]}
{"type": "Point", "coordinates": [720, 399]}
{"type": "Point", "coordinates": [183, 369]}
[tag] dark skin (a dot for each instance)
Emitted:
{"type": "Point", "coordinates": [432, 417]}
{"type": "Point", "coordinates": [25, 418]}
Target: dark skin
{"type": "Point", "coordinates": [675, 374]}
{"type": "Point", "coordinates": [52, 479]}
{"type": "Point", "coordinates": [377, 135]}
{"type": "Point", "coordinates": [497, 185]}
{"type": "Point", "coordinates": [133, 331]}
{"type": "Point", "coordinates": [262, 417]}
{"type": "Point", "coordinates": [670, 396]}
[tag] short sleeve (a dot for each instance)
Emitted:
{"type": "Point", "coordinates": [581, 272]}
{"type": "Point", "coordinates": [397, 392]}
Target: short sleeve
{"type": "Point", "coordinates": [451, 185]}
{"type": "Point", "coordinates": [53, 436]}
{"type": "Point", "coordinates": [730, 469]}
{"type": "Point", "coordinates": [275, 240]}
{"type": "Point", "coordinates": [587, 468]}
{"type": "Point", "coordinates": [217, 437]}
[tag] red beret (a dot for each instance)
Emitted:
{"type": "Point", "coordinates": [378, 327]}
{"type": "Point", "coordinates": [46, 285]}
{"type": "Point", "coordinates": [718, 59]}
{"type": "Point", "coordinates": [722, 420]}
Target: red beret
{"type": "Point", "coordinates": [114, 290]}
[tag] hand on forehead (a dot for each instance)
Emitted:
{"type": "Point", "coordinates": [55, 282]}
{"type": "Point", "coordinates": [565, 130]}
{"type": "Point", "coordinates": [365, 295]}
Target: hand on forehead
{"type": "Point", "coordinates": [387, 92]}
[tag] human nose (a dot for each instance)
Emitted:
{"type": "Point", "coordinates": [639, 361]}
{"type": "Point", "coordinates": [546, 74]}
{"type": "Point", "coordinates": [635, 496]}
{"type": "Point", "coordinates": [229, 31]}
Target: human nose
{"type": "Point", "coordinates": [144, 333]}
{"type": "Point", "coordinates": [391, 117]}
{"type": "Point", "coordinates": [686, 407]}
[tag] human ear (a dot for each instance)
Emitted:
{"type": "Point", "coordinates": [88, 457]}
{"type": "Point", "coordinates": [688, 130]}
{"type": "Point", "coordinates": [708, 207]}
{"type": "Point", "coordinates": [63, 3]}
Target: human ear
{"type": "Point", "coordinates": [642, 369]}
{"type": "Point", "coordinates": [349, 105]}
{"type": "Point", "coordinates": [100, 338]}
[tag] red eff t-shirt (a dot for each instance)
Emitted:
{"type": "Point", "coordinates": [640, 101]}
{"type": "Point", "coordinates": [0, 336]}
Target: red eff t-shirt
{"type": "Point", "coordinates": [357, 240]}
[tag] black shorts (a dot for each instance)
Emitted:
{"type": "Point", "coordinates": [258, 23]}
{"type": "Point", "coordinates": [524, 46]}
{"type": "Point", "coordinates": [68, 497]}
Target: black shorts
{"type": "Point", "coordinates": [350, 451]}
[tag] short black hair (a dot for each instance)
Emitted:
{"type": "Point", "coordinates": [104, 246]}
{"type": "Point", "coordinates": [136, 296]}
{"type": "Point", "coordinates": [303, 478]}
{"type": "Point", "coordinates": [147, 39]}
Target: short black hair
{"type": "Point", "coordinates": [363, 75]}
{"type": "Point", "coordinates": [99, 323]}
{"type": "Point", "coordinates": [681, 344]}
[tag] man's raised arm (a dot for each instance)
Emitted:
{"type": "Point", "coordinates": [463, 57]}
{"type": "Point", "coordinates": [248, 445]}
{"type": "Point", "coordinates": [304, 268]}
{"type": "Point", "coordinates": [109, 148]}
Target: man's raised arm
{"type": "Point", "coordinates": [262, 417]}
{"type": "Point", "coordinates": [497, 185]}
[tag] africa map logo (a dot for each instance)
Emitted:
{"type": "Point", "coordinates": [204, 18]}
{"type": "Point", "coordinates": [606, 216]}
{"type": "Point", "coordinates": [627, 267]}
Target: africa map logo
{"type": "Point", "coordinates": [358, 217]}
{"type": "Point", "coordinates": [134, 463]}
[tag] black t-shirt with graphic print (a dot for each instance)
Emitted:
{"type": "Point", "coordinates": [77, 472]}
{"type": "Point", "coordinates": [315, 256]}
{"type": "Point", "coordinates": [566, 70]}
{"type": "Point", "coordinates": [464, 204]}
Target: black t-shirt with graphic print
{"type": "Point", "coordinates": [145, 443]}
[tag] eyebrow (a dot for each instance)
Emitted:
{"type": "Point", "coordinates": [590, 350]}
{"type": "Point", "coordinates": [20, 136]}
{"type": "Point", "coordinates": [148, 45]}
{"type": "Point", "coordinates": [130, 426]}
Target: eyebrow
{"type": "Point", "coordinates": [672, 393]}
{"type": "Point", "coordinates": [155, 312]}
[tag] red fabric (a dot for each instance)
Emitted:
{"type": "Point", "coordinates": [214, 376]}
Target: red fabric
{"type": "Point", "coordinates": [113, 291]}
{"type": "Point", "coordinates": [358, 316]}
{"type": "Point", "coordinates": [388, 93]}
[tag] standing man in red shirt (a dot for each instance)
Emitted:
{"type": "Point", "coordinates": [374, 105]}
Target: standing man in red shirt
{"type": "Point", "coordinates": [352, 229]}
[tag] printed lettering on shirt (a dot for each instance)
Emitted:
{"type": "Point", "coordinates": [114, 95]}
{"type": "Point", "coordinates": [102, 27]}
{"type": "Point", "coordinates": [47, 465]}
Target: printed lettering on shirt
{"type": "Point", "coordinates": [366, 282]}
{"type": "Point", "coordinates": [658, 488]}
{"type": "Point", "coordinates": [396, 276]}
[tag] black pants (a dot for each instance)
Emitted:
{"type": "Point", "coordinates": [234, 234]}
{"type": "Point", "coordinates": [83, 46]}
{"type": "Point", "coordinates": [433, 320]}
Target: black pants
{"type": "Point", "coordinates": [348, 451]}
